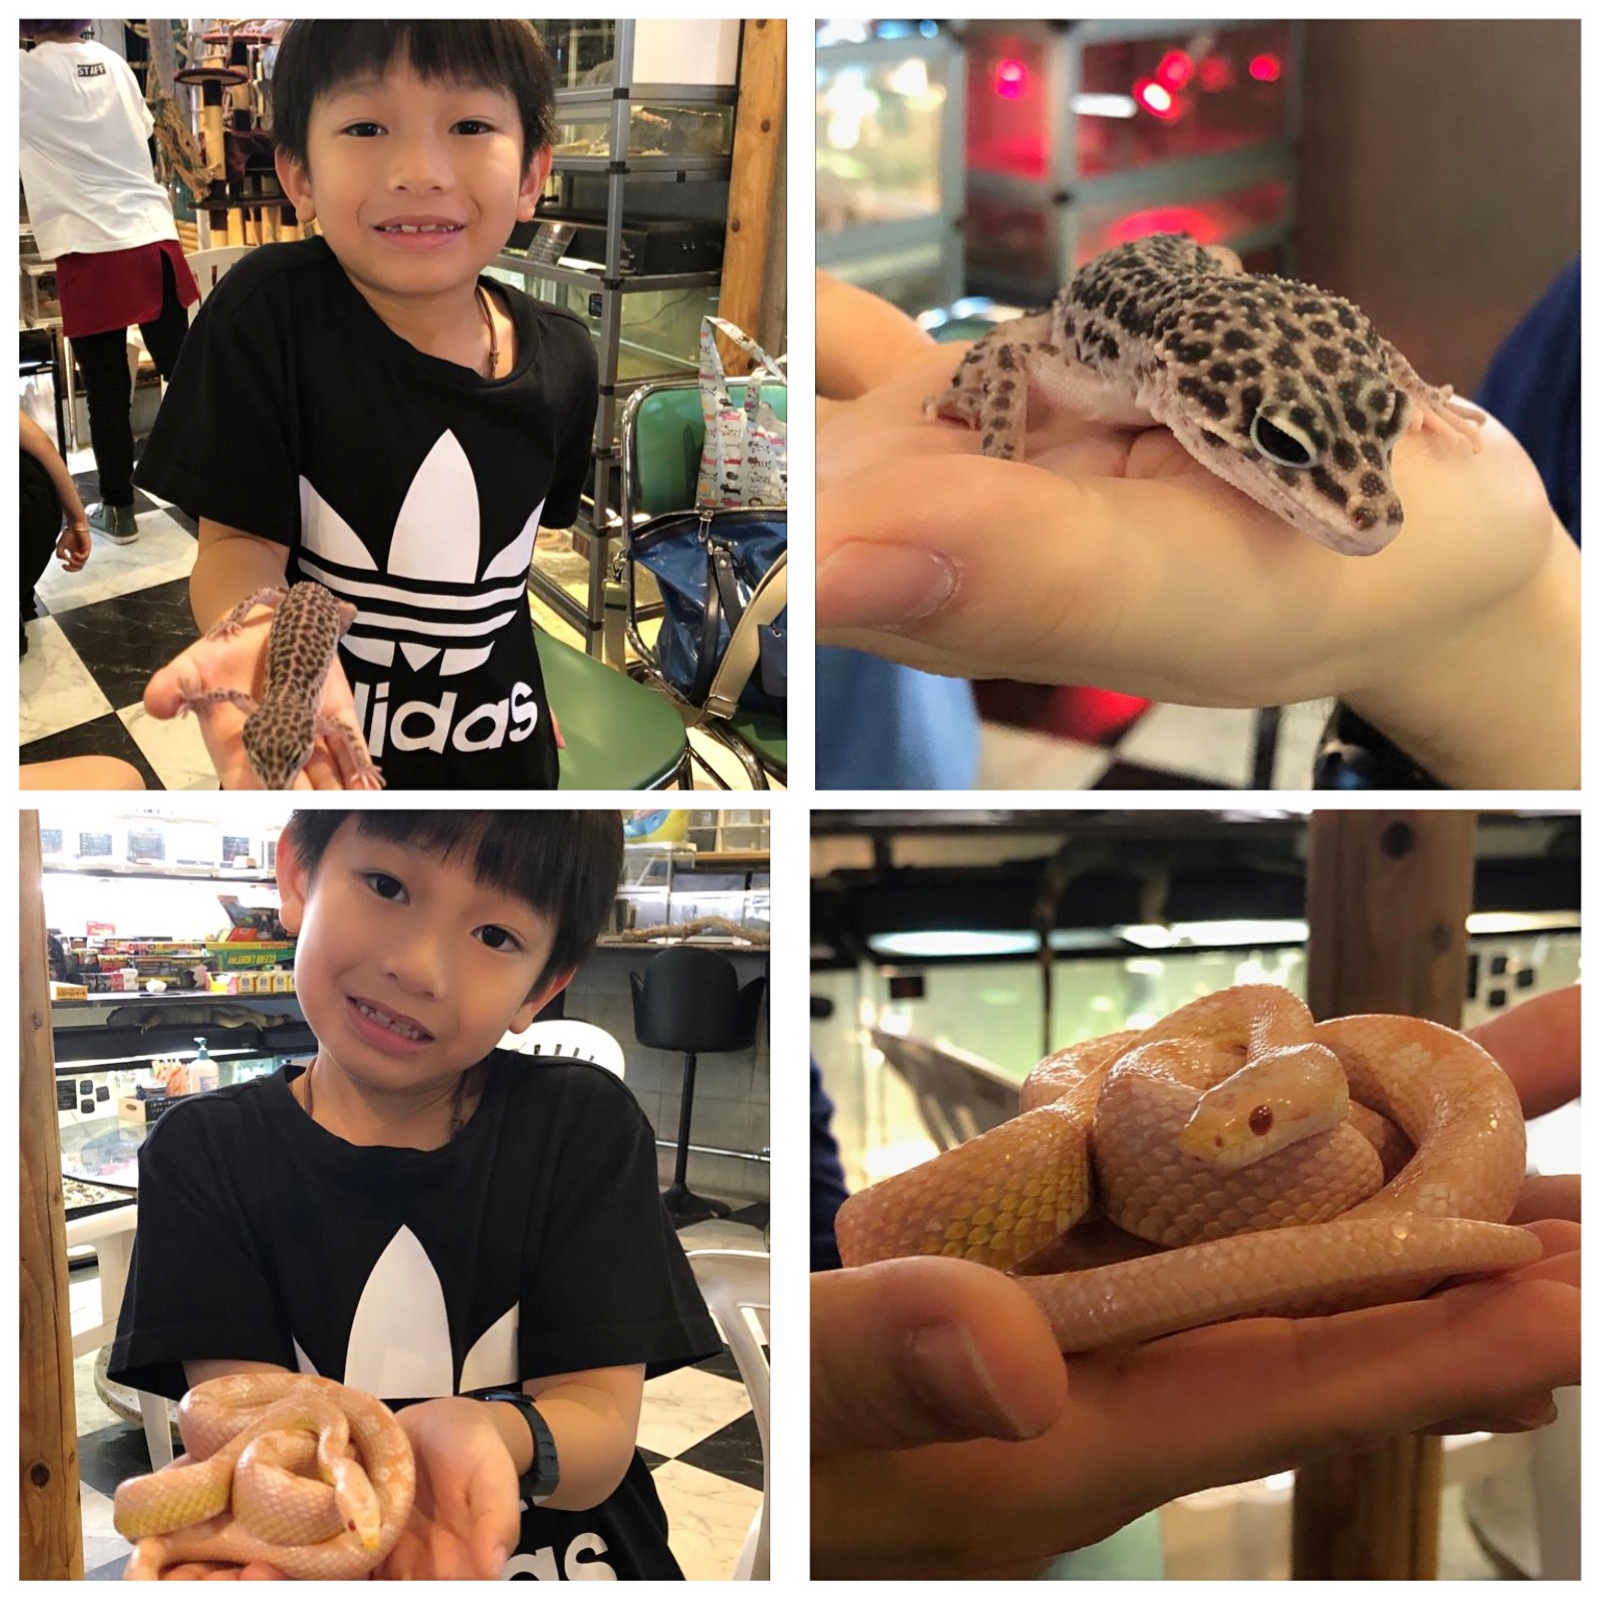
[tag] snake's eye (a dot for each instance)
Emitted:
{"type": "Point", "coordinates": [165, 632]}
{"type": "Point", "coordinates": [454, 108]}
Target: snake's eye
{"type": "Point", "coordinates": [1261, 1121]}
{"type": "Point", "coordinates": [1282, 443]}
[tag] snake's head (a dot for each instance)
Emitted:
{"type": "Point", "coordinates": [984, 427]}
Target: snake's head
{"type": "Point", "coordinates": [279, 744]}
{"type": "Point", "coordinates": [1277, 1100]}
{"type": "Point", "coordinates": [357, 1501]}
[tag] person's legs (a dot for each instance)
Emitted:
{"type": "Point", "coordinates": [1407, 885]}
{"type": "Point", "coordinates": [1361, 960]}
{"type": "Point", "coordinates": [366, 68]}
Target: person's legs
{"type": "Point", "coordinates": [163, 338]}
{"type": "Point", "coordinates": [103, 359]}
{"type": "Point", "coordinates": [38, 528]}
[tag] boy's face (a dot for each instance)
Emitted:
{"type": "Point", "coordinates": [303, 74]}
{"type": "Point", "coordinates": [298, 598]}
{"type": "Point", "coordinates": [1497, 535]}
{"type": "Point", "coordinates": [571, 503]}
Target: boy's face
{"type": "Point", "coordinates": [409, 970]}
{"type": "Point", "coordinates": [441, 159]}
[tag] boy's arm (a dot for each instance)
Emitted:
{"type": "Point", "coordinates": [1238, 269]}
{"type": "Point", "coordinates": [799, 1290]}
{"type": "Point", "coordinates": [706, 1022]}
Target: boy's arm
{"type": "Point", "coordinates": [231, 566]}
{"type": "Point", "coordinates": [594, 1419]}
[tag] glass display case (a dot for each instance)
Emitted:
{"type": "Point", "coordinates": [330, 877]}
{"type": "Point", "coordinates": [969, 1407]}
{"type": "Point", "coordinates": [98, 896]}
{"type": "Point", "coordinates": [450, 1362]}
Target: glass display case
{"type": "Point", "coordinates": [664, 129]}
{"type": "Point", "coordinates": [1082, 135]}
{"type": "Point", "coordinates": [633, 240]}
{"type": "Point", "coordinates": [889, 161]}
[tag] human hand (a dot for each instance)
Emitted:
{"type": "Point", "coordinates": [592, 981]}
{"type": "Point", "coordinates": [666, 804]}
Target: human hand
{"type": "Point", "coordinates": [1005, 1456]}
{"type": "Point", "coordinates": [1113, 559]}
{"type": "Point", "coordinates": [895, 1492]}
{"type": "Point", "coordinates": [239, 662]}
{"type": "Point", "coordinates": [74, 545]}
{"type": "Point", "coordinates": [467, 1515]}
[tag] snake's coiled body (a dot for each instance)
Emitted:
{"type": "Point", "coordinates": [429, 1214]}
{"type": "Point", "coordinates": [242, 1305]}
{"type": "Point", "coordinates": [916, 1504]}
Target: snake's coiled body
{"type": "Point", "coordinates": [300, 1472]}
{"type": "Point", "coordinates": [1286, 1167]}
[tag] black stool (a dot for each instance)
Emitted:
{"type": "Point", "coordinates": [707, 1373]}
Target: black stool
{"type": "Point", "coordinates": [690, 1000]}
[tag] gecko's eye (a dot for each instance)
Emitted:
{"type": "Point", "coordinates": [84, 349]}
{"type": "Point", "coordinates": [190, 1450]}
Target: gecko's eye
{"type": "Point", "coordinates": [1284, 445]}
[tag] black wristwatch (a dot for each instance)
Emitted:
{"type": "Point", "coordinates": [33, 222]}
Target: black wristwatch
{"type": "Point", "coordinates": [543, 1478]}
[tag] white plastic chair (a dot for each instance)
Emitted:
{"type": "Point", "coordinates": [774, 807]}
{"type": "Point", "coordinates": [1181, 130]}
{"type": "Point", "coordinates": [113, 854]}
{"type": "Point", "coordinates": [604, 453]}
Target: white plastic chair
{"type": "Point", "coordinates": [737, 1285]}
{"type": "Point", "coordinates": [564, 1037]}
{"type": "Point", "coordinates": [208, 266]}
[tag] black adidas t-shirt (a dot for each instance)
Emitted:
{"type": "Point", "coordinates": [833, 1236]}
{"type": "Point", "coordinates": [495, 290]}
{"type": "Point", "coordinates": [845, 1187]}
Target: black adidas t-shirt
{"type": "Point", "coordinates": [410, 486]}
{"type": "Point", "coordinates": [534, 1243]}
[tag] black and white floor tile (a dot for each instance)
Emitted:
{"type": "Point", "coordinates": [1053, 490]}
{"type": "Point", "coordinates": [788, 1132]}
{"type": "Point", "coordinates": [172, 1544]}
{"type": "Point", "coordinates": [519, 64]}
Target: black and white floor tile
{"type": "Point", "coordinates": [101, 632]}
{"type": "Point", "coordinates": [696, 1432]}
{"type": "Point", "coordinates": [1069, 739]}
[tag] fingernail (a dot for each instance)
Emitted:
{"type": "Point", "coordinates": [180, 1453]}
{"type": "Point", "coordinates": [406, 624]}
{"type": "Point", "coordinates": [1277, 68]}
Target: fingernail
{"type": "Point", "coordinates": [882, 585]}
{"type": "Point", "coordinates": [948, 1373]}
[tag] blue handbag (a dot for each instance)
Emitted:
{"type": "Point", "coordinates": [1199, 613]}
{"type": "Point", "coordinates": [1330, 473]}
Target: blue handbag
{"type": "Point", "coordinates": [710, 566]}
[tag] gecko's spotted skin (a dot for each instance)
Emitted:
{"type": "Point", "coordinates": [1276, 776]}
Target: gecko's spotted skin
{"type": "Point", "coordinates": [281, 728]}
{"type": "Point", "coordinates": [1286, 392]}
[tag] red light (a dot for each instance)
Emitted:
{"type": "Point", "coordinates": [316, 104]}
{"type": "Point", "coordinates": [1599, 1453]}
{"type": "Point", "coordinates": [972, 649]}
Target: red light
{"type": "Point", "coordinates": [1175, 69]}
{"type": "Point", "coordinates": [1156, 100]}
{"type": "Point", "coordinates": [1216, 74]}
{"type": "Point", "coordinates": [1266, 68]}
{"type": "Point", "coordinates": [1010, 80]}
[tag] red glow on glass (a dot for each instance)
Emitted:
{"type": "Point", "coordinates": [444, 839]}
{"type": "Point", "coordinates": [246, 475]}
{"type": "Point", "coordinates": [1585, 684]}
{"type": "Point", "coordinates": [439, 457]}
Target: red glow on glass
{"type": "Point", "coordinates": [1175, 69]}
{"type": "Point", "coordinates": [1157, 100]}
{"type": "Point", "coordinates": [1266, 68]}
{"type": "Point", "coordinates": [1193, 220]}
{"type": "Point", "coordinates": [1010, 80]}
{"type": "Point", "coordinates": [1216, 74]}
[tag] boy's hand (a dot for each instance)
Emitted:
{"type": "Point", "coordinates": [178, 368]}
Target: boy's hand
{"type": "Point", "coordinates": [239, 662]}
{"type": "Point", "coordinates": [72, 548]}
{"type": "Point", "coordinates": [467, 1515]}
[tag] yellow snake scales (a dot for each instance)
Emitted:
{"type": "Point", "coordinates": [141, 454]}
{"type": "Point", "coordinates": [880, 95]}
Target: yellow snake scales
{"type": "Point", "coordinates": [1248, 1160]}
{"type": "Point", "coordinates": [314, 1478]}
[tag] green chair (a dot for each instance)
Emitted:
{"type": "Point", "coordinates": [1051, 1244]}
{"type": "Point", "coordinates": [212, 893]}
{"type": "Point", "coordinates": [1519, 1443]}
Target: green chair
{"type": "Point", "coordinates": [620, 734]}
{"type": "Point", "coordinates": [663, 434]}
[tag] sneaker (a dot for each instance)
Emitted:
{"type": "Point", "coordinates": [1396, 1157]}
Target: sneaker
{"type": "Point", "coordinates": [117, 523]}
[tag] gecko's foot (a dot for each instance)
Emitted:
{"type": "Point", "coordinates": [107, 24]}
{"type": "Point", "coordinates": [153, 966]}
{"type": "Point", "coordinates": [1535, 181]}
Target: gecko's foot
{"type": "Point", "coordinates": [349, 738]}
{"type": "Point", "coordinates": [1451, 413]}
{"type": "Point", "coordinates": [229, 625]}
{"type": "Point", "coordinates": [194, 697]}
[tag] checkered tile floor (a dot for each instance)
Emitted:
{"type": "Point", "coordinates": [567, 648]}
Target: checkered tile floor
{"type": "Point", "coordinates": [100, 633]}
{"type": "Point", "coordinates": [696, 1433]}
{"type": "Point", "coordinates": [1042, 738]}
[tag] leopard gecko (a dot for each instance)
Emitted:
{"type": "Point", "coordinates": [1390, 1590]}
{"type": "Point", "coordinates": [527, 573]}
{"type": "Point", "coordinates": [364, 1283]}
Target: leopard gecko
{"type": "Point", "coordinates": [282, 727]}
{"type": "Point", "coordinates": [1285, 392]}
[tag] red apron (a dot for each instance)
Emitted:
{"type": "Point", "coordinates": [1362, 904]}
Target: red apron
{"type": "Point", "coordinates": [119, 288]}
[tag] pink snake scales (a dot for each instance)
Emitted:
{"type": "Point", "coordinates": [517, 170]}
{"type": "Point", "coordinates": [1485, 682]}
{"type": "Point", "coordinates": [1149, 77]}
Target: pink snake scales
{"type": "Point", "coordinates": [1226, 1134]}
{"type": "Point", "coordinates": [300, 1472]}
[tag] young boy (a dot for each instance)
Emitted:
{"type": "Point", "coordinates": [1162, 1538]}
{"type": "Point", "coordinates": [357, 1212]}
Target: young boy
{"type": "Point", "coordinates": [424, 1217]}
{"type": "Point", "coordinates": [365, 410]}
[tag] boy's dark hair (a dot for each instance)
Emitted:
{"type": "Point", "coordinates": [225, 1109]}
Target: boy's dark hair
{"type": "Point", "coordinates": [565, 864]}
{"type": "Point", "coordinates": [314, 58]}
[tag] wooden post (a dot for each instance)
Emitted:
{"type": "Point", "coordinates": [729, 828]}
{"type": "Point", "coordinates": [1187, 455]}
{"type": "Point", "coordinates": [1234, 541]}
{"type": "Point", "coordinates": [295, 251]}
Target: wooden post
{"type": "Point", "coordinates": [752, 187]}
{"type": "Point", "coordinates": [52, 1535]}
{"type": "Point", "coordinates": [1387, 897]}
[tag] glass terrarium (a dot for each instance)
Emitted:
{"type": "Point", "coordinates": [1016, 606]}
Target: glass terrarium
{"type": "Point", "coordinates": [1133, 101]}
{"type": "Point", "coordinates": [656, 128]}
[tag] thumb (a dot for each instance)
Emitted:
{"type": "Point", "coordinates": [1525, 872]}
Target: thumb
{"type": "Point", "coordinates": [920, 560]}
{"type": "Point", "coordinates": [915, 1352]}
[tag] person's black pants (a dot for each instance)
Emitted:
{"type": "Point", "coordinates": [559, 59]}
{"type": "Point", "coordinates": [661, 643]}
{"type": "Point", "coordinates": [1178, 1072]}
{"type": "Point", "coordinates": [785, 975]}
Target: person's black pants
{"type": "Point", "coordinates": [38, 529]}
{"type": "Point", "coordinates": [103, 360]}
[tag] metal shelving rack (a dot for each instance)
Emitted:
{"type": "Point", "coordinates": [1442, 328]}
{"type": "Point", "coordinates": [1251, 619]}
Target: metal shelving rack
{"type": "Point", "coordinates": [616, 101]}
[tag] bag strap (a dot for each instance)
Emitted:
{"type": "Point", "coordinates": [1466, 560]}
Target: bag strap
{"type": "Point", "coordinates": [739, 660]}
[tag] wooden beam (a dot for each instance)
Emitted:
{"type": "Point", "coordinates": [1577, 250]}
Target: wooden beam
{"type": "Point", "coordinates": [52, 1534]}
{"type": "Point", "coordinates": [752, 188]}
{"type": "Point", "coordinates": [1387, 898]}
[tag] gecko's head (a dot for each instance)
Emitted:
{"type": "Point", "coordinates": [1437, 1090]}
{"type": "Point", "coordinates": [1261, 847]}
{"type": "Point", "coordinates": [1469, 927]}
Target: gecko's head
{"type": "Point", "coordinates": [278, 740]}
{"type": "Point", "coordinates": [1295, 408]}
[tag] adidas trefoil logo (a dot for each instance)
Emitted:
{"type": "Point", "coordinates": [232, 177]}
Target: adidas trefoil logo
{"type": "Point", "coordinates": [432, 603]}
{"type": "Point", "coordinates": [399, 1347]}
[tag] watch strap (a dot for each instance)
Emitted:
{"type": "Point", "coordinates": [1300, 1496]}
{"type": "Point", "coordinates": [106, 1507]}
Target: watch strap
{"type": "Point", "coordinates": [543, 1477]}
